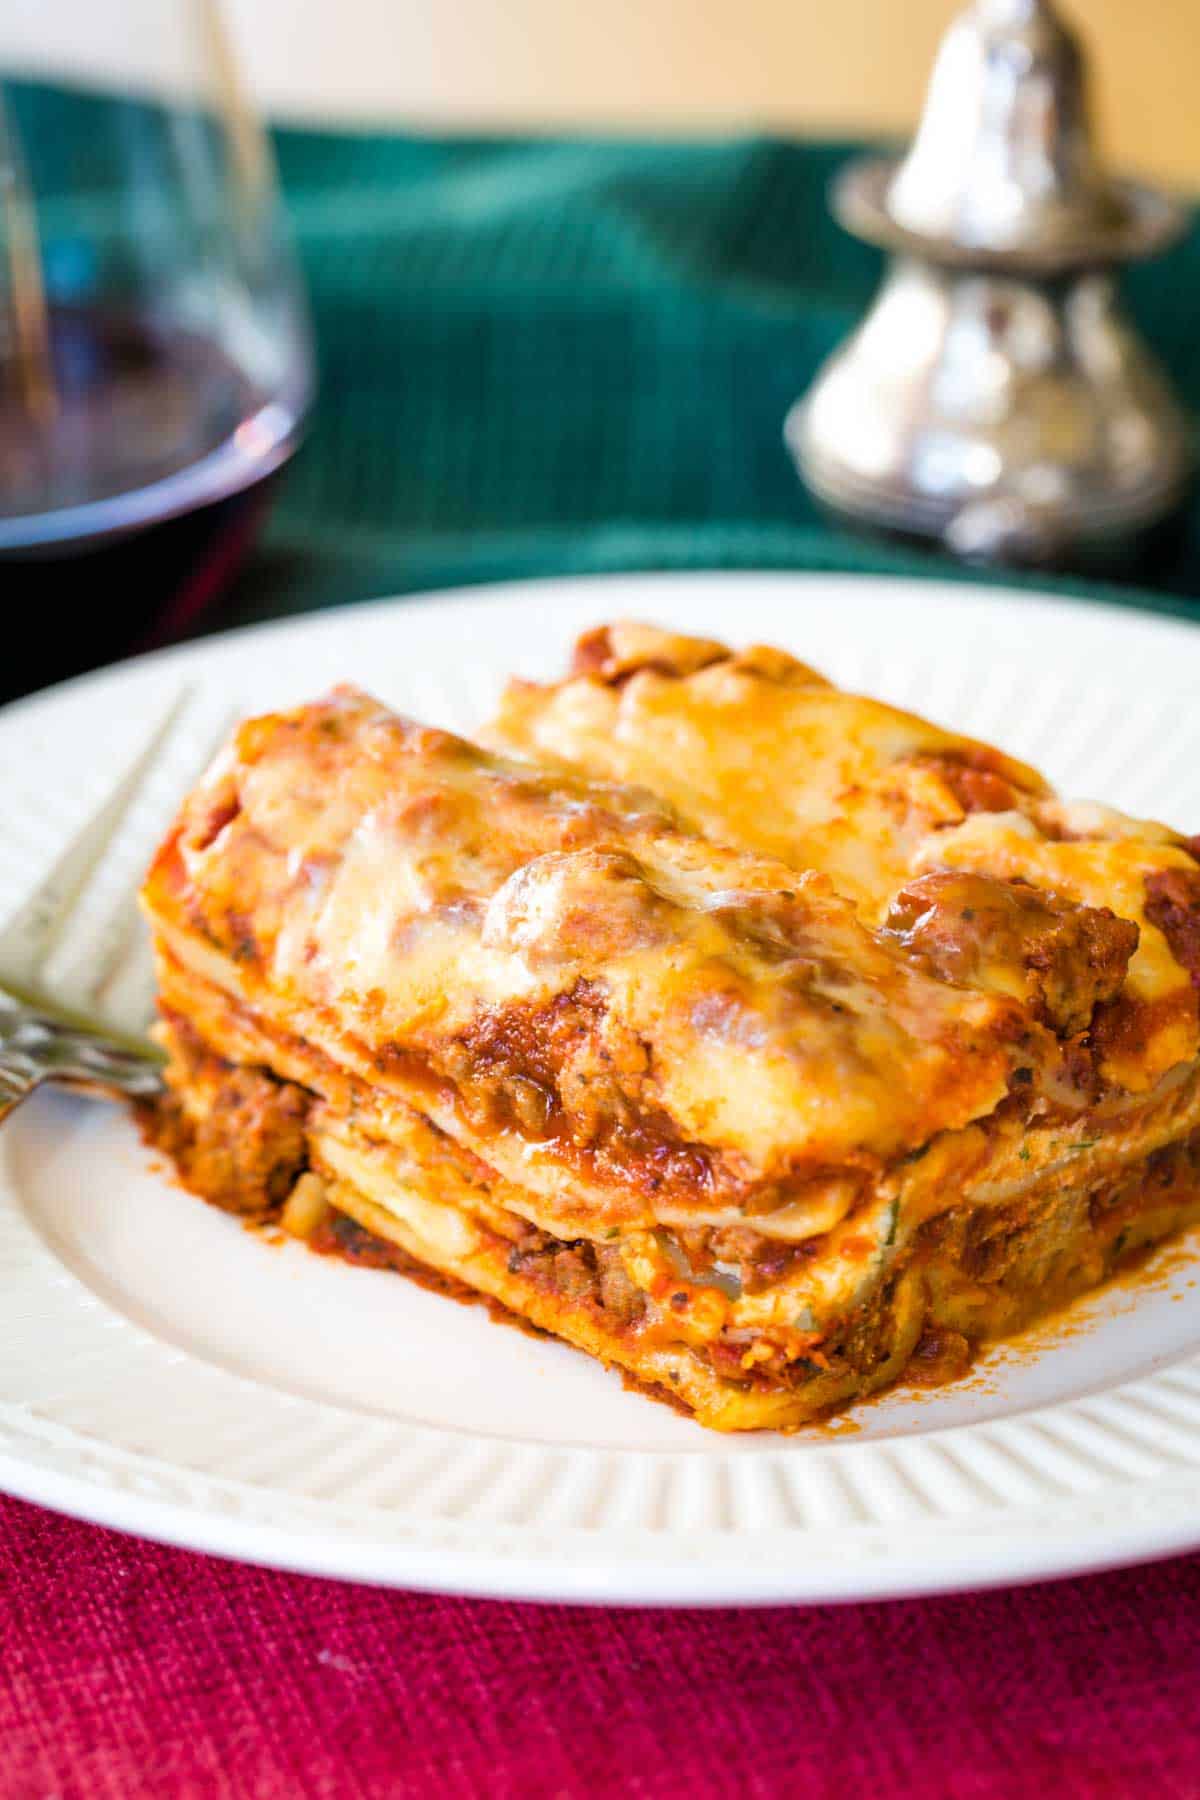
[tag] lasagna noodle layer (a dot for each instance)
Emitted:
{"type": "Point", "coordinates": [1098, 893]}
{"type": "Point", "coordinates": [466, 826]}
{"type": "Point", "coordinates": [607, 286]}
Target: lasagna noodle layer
{"type": "Point", "coordinates": [991, 1165]}
{"type": "Point", "coordinates": [964, 1274]}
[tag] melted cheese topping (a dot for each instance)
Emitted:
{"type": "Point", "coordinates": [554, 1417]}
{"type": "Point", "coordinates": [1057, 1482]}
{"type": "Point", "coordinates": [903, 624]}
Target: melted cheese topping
{"type": "Point", "coordinates": [1095, 872]}
{"type": "Point", "coordinates": [755, 749]}
{"type": "Point", "coordinates": [563, 969]}
{"type": "Point", "coordinates": [758, 750]}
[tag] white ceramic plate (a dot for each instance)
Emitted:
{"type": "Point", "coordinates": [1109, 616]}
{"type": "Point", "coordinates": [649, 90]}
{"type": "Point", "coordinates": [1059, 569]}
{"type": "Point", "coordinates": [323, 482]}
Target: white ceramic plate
{"type": "Point", "coordinates": [165, 1371]}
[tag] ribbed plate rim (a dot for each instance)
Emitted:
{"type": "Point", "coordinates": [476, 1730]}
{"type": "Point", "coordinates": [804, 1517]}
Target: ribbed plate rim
{"type": "Point", "coordinates": [1112, 1478]}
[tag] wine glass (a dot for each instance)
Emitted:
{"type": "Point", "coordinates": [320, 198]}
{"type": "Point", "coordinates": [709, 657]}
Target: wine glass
{"type": "Point", "coordinates": [155, 355]}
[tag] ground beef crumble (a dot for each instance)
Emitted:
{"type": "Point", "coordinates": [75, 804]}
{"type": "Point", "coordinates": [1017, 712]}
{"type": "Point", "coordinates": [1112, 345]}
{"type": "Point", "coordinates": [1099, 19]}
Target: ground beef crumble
{"type": "Point", "coordinates": [1173, 904]}
{"type": "Point", "coordinates": [246, 1151]}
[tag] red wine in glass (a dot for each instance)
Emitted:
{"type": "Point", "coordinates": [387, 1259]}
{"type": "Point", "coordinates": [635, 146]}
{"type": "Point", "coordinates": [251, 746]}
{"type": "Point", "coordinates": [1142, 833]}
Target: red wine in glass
{"type": "Point", "coordinates": [137, 424]}
{"type": "Point", "coordinates": [155, 357]}
{"type": "Point", "coordinates": [158, 449]}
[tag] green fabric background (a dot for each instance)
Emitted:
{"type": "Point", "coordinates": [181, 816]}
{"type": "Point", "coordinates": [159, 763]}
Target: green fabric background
{"type": "Point", "coordinates": [546, 357]}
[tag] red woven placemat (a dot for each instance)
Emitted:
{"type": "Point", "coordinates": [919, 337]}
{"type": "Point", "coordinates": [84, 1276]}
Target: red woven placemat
{"type": "Point", "coordinates": [128, 1670]}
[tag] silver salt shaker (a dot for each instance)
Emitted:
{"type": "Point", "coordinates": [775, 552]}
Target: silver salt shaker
{"type": "Point", "coordinates": [995, 396]}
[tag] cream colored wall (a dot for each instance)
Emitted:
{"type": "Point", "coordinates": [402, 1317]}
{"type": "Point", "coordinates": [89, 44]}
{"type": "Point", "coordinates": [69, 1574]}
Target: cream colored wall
{"type": "Point", "coordinates": [808, 65]}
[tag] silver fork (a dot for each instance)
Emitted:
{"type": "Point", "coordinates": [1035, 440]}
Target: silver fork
{"type": "Point", "coordinates": [51, 1036]}
{"type": "Point", "coordinates": [37, 1046]}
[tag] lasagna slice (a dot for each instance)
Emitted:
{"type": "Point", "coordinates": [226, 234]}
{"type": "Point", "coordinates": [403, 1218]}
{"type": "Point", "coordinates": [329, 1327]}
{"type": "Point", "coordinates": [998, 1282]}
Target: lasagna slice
{"type": "Point", "coordinates": [608, 1026]}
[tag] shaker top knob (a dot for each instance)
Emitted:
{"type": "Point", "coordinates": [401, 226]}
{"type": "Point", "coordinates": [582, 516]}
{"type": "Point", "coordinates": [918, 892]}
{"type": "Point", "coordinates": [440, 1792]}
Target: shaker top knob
{"type": "Point", "coordinates": [1003, 169]}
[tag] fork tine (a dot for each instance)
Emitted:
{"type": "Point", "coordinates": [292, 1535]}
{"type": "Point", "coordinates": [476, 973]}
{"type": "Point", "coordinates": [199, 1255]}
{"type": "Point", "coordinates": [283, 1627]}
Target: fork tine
{"type": "Point", "coordinates": [102, 965]}
{"type": "Point", "coordinates": [29, 937]}
{"type": "Point", "coordinates": [108, 947]}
